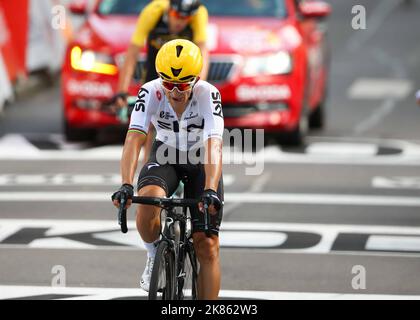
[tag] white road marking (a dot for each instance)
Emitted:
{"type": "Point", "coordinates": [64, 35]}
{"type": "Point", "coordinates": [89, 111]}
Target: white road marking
{"type": "Point", "coordinates": [366, 88]}
{"type": "Point", "coordinates": [10, 292]}
{"type": "Point", "coordinates": [409, 157]}
{"type": "Point", "coordinates": [255, 239]}
{"type": "Point", "coordinates": [259, 183]}
{"type": "Point", "coordinates": [396, 182]}
{"type": "Point", "coordinates": [31, 179]}
{"type": "Point", "coordinates": [72, 179]}
{"type": "Point", "coordinates": [228, 179]}
{"type": "Point", "coordinates": [245, 197]}
{"type": "Point", "coordinates": [322, 199]}
{"type": "Point", "coordinates": [16, 179]}
{"type": "Point", "coordinates": [58, 243]}
{"type": "Point", "coordinates": [397, 243]}
{"type": "Point", "coordinates": [257, 186]}
{"type": "Point", "coordinates": [320, 239]}
{"type": "Point", "coordinates": [65, 179]}
{"type": "Point", "coordinates": [336, 151]}
{"type": "Point", "coordinates": [376, 117]}
{"type": "Point", "coordinates": [342, 149]}
{"type": "Point", "coordinates": [53, 196]}
{"type": "Point", "coordinates": [16, 143]}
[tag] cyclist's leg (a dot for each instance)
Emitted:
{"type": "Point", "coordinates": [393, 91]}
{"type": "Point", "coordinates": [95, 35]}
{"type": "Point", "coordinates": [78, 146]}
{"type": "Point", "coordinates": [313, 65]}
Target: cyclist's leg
{"type": "Point", "coordinates": [154, 181]}
{"type": "Point", "coordinates": [207, 252]}
{"type": "Point", "coordinates": [206, 248]}
{"type": "Point", "coordinates": [147, 217]}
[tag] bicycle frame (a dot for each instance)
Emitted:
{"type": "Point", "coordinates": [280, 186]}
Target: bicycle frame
{"type": "Point", "coordinates": [174, 227]}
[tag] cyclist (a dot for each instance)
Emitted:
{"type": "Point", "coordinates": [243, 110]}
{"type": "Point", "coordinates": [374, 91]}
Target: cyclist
{"type": "Point", "coordinates": [159, 22]}
{"type": "Point", "coordinates": [187, 115]}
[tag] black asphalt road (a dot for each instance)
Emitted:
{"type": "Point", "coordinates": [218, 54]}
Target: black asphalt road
{"type": "Point", "coordinates": [349, 199]}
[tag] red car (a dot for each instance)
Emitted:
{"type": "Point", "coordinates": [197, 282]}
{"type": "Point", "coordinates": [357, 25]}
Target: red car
{"type": "Point", "coordinates": [268, 58]}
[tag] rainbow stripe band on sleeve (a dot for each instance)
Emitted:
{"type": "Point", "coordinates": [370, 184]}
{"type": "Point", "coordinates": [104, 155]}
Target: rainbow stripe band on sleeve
{"type": "Point", "coordinates": [138, 131]}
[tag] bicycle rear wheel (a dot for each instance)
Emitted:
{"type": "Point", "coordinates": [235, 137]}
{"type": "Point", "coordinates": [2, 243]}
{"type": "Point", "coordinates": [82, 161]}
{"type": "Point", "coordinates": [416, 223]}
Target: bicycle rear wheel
{"type": "Point", "coordinates": [187, 275]}
{"type": "Point", "coordinates": [162, 282]}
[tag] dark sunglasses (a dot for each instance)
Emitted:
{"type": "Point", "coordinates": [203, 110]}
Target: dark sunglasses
{"type": "Point", "coordinates": [176, 14]}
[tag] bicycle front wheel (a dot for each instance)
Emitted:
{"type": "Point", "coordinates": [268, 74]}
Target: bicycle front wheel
{"type": "Point", "coordinates": [187, 275]}
{"type": "Point", "coordinates": [162, 282]}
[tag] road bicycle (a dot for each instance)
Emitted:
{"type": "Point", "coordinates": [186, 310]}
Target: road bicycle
{"type": "Point", "coordinates": [175, 269]}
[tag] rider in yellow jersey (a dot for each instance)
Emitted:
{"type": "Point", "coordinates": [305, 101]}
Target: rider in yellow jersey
{"type": "Point", "coordinates": [159, 22]}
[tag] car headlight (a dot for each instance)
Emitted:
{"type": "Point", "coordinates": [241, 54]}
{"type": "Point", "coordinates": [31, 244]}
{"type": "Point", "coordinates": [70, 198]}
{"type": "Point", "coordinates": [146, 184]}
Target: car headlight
{"type": "Point", "coordinates": [91, 61]}
{"type": "Point", "coordinates": [278, 63]}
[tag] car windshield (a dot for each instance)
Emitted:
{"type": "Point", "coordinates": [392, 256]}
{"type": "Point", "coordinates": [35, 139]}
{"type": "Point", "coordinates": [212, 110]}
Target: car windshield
{"type": "Point", "coordinates": [246, 8]}
{"type": "Point", "coordinates": [124, 7]}
{"type": "Point", "coordinates": [233, 8]}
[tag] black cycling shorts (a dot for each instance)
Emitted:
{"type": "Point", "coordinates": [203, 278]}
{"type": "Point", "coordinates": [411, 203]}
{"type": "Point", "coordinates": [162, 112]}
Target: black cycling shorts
{"type": "Point", "coordinates": [168, 175]}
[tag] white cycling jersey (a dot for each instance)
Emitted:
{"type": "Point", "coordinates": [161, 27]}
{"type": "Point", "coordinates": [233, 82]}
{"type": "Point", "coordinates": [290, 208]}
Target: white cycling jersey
{"type": "Point", "coordinates": [202, 118]}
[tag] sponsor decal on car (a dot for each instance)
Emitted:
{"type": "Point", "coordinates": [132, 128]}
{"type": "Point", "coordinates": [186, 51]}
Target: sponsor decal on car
{"type": "Point", "coordinates": [89, 88]}
{"type": "Point", "coordinates": [265, 92]}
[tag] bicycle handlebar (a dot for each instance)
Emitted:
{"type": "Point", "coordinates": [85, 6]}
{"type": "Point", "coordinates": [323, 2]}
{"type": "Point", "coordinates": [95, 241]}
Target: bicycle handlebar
{"type": "Point", "coordinates": [162, 202]}
{"type": "Point", "coordinates": [165, 202]}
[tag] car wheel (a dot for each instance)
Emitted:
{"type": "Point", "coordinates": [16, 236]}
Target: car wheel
{"type": "Point", "coordinates": [317, 117]}
{"type": "Point", "coordinates": [78, 134]}
{"type": "Point", "coordinates": [297, 136]}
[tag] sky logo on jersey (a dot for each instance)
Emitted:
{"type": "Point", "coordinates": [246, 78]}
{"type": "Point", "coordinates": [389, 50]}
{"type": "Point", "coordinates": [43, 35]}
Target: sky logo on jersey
{"type": "Point", "coordinates": [140, 103]}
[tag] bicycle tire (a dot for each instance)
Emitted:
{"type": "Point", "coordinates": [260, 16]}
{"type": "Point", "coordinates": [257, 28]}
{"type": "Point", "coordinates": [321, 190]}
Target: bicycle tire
{"type": "Point", "coordinates": [187, 283]}
{"type": "Point", "coordinates": [162, 282]}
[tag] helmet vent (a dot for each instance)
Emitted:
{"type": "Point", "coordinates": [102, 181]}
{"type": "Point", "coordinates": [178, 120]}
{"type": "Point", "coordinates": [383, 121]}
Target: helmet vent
{"type": "Point", "coordinates": [187, 78]}
{"type": "Point", "coordinates": [176, 72]}
{"type": "Point", "coordinates": [163, 75]}
{"type": "Point", "coordinates": [179, 50]}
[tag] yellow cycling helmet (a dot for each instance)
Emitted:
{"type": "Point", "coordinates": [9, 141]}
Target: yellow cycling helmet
{"type": "Point", "coordinates": [179, 60]}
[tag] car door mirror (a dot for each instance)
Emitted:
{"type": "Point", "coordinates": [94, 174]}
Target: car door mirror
{"type": "Point", "coordinates": [314, 9]}
{"type": "Point", "coordinates": [78, 7]}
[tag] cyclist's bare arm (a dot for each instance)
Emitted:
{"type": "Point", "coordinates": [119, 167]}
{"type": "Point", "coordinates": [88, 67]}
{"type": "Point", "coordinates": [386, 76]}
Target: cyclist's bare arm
{"type": "Point", "coordinates": [132, 146]}
{"type": "Point", "coordinates": [205, 54]}
{"type": "Point", "coordinates": [145, 23]}
{"type": "Point", "coordinates": [127, 71]}
{"type": "Point", "coordinates": [199, 25]}
{"type": "Point", "coordinates": [148, 145]}
{"type": "Point", "coordinates": [213, 164]}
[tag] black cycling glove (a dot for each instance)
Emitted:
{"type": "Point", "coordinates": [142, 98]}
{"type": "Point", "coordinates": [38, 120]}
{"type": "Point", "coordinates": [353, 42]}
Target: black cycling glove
{"type": "Point", "coordinates": [122, 95]}
{"type": "Point", "coordinates": [126, 190]}
{"type": "Point", "coordinates": [210, 197]}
